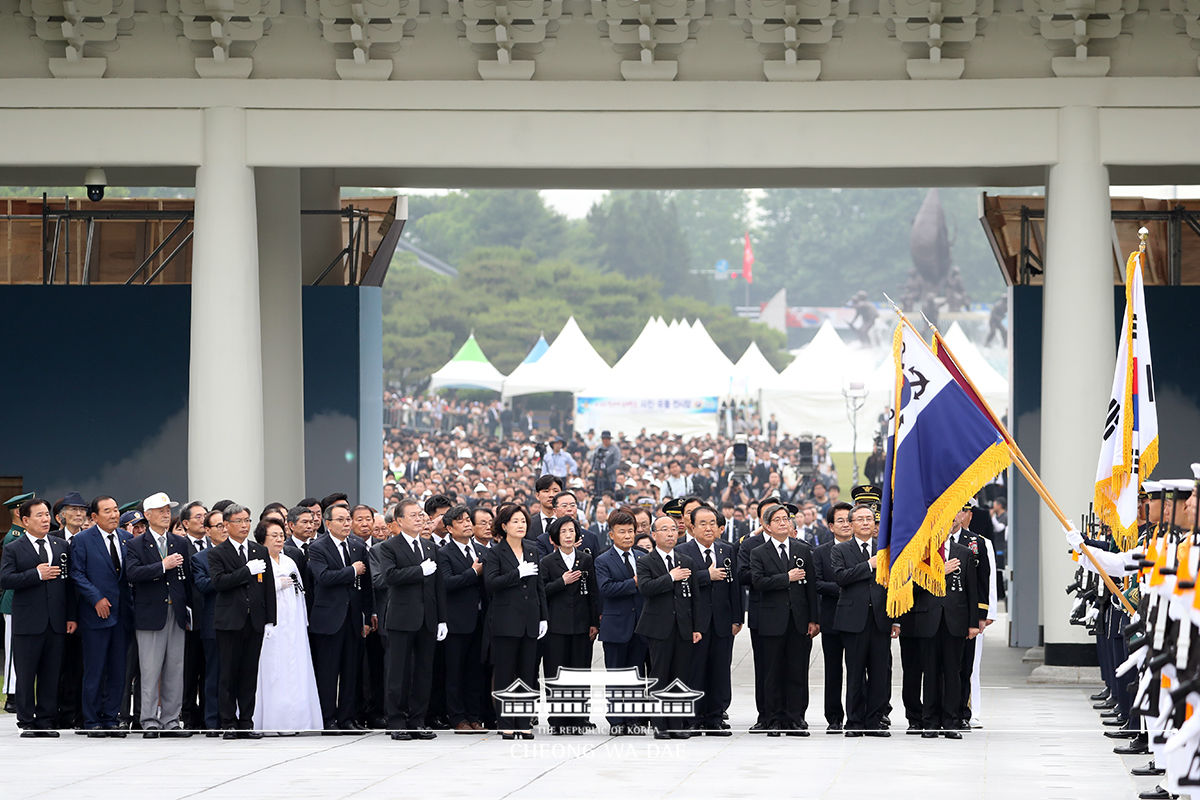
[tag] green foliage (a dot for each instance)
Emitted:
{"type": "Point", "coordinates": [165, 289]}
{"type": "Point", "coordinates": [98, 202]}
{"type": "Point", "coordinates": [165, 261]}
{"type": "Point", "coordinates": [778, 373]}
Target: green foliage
{"type": "Point", "coordinates": [638, 233]}
{"type": "Point", "coordinates": [452, 225]}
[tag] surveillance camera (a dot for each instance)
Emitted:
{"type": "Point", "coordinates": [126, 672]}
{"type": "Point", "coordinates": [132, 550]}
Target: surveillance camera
{"type": "Point", "coordinates": [95, 181]}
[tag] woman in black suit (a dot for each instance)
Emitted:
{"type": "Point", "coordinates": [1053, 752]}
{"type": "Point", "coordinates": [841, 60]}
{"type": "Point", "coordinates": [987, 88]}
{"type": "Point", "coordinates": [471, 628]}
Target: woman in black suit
{"type": "Point", "coordinates": [574, 613]}
{"type": "Point", "coordinates": [516, 615]}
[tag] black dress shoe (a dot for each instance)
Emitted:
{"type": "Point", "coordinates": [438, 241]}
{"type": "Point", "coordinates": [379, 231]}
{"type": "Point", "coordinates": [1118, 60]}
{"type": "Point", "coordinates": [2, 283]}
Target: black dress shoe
{"type": "Point", "coordinates": [250, 734]}
{"type": "Point", "coordinates": [834, 727]}
{"type": "Point", "coordinates": [402, 736]}
{"type": "Point", "coordinates": [1137, 747]}
{"type": "Point", "coordinates": [925, 734]}
{"type": "Point", "coordinates": [853, 734]}
{"type": "Point", "coordinates": [520, 734]}
{"type": "Point", "coordinates": [1115, 722]}
{"type": "Point", "coordinates": [1123, 733]}
{"type": "Point", "coordinates": [177, 733]}
{"type": "Point", "coordinates": [913, 730]}
{"type": "Point", "coordinates": [1110, 713]}
{"type": "Point", "coordinates": [952, 734]}
{"type": "Point", "coordinates": [229, 735]}
{"type": "Point", "coordinates": [1157, 793]}
{"type": "Point", "coordinates": [150, 734]}
{"type": "Point", "coordinates": [507, 736]}
{"type": "Point", "coordinates": [1100, 695]}
{"type": "Point", "coordinates": [718, 732]}
{"type": "Point", "coordinates": [885, 721]}
{"type": "Point", "coordinates": [759, 727]}
{"type": "Point", "coordinates": [797, 732]}
{"type": "Point", "coordinates": [423, 734]}
{"type": "Point", "coordinates": [1105, 704]}
{"type": "Point", "coordinates": [116, 733]}
{"type": "Point", "coordinates": [880, 733]}
{"type": "Point", "coordinates": [212, 734]}
{"type": "Point", "coordinates": [1147, 771]}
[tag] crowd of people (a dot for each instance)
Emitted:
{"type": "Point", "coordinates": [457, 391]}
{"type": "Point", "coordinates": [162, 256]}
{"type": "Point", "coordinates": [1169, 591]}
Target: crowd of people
{"type": "Point", "coordinates": [491, 564]}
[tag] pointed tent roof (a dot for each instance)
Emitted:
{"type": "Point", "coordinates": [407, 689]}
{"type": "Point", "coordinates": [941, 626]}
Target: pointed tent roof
{"type": "Point", "coordinates": [539, 349]}
{"type": "Point", "coordinates": [469, 369]}
{"type": "Point", "coordinates": [752, 372]}
{"type": "Point", "coordinates": [567, 365]}
{"type": "Point", "coordinates": [990, 383]}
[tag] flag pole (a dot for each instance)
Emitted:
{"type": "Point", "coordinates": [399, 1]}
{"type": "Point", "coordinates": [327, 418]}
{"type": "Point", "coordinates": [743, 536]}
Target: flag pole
{"type": "Point", "coordinates": [1019, 458]}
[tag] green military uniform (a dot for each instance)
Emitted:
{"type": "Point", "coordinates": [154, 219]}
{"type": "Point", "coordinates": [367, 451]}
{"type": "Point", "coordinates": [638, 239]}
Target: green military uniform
{"type": "Point", "coordinates": [8, 678]}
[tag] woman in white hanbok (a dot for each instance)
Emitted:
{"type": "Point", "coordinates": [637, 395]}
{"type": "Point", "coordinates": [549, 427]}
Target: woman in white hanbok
{"type": "Point", "coordinates": [287, 688]}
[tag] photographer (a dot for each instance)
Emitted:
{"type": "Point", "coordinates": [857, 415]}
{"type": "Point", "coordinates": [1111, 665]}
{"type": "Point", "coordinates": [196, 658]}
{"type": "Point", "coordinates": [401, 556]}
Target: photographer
{"type": "Point", "coordinates": [604, 465]}
{"type": "Point", "coordinates": [558, 462]}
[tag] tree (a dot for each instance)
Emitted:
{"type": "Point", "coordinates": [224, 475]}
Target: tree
{"type": "Point", "coordinates": [450, 226]}
{"type": "Point", "coordinates": [638, 233]}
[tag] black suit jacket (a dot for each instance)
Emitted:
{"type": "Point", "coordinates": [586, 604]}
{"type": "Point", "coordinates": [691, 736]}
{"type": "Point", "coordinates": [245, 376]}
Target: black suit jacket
{"type": "Point", "coordinates": [862, 601]}
{"type": "Point", "coordinates": [587, 543]}
{"type": "Point", "coordinates": [414, 599]}
{"type": "Point", "coordinates": [572, 608]}
{"type": "Point", "coordinates": [38, 605]}
{"type": "Point", "coordinates": [240, 595]}
{"type": "Point", "coordinates": [515, 605]}
{"type": "Point", "coordinates": [958, 607]}
{"type": "Point", "coordinates": [337, 591]}
{"type": "Point", "coordinates": [153, 587]}
{"type": "Point", "coordinates": [981, 565]}
{"type": "Point", "coordinates": [462, 589]}
{"type": "Point", "coordinates": [780, 598]}
{"type": "Point", "coordinates": [667, 610]}
{"type": "Point", "coordinates": [828, 590]}
{"type": "Point", "coordinates": [746, 546]}
{"type": "Point", "coordinates": [719, 601]}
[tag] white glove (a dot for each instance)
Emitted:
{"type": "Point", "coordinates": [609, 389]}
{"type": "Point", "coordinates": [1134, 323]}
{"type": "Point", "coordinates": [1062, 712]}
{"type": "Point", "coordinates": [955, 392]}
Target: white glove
{"type": "Point", "coordinates": [443, 632]}
{"type": "Point", "coordinates": [543, 626]}
{"type": "Point", "coordinates": [256, 566]}
{"type": "Point", "coordinates": [428, 567]}
{"type": "Point", "coordinates": [269, 630]}
{"type": "Point", "coordinates": [527, 568]}
{"type": "Point", "coordinates": [283, 582]}
{"type": "Point", "coordinates": [1074, 538]}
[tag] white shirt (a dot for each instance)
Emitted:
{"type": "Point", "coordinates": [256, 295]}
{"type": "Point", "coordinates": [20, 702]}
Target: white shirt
{"type": "Point", "coordinates": [568, 559]}
{"type": "Point", "coordinates": [33, 540]}
{"type": "Point", "coordinates": [345, 554]}
{"type": "Point", "coordinates": [410, 540]}
{"type": "Point", "coordinates": [664, 555]}
{"type": "Point", "coordinates": [197, 543]}
{"type": "Point", "coordinates": [712, 555]}
{"type": "Point", "coordinates": [299, 543]}
{"type": "Point", "coordinates": [115, 540]}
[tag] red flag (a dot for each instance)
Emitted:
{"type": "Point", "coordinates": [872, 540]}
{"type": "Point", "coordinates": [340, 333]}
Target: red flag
{"type": "Point", "coordinates": [748, 261]}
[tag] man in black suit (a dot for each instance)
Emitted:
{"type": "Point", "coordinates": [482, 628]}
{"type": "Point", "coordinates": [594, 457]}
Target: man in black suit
{"type": "Point", "coordinates": [833, 646]}
{"type": "Point", "coordinates": [745, 547]}
{"type": "Point", "coordinates": [719, 596]}
{"type": "Point", "coordinates": [573, 610]}
{"type": "Point", "coordinates": [942, 626]}
{"type": "Point", "coordinates": [787, 617]}
{"type": "Point", "coordinates": [343, 613]}
{"type": "Point", "coordinates": [416, 620]}
{"type": "Point", "coordinates": [546, 487]}
{"type": "Point", "coordinates": [670, 621]}
{"type": "Point", "coordinates": [240, 570]}
{"type": "Point", "coordinates": [862, 618]}
{"type": "Point", "coordinates": [980, 564]}
{"type": "Point", "coordinates": [461, 569]}
{"type": "Point", "coordinates": [74, 518]}
{"type": "Point", "coordinates": [301, 526]}
{"type": "Point", "coordinates": [34, 567]}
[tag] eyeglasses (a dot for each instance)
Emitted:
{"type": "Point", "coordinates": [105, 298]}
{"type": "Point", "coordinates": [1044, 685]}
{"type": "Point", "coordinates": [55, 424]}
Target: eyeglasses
{"type": "Point", "coordinates": [245, 521]}
{"type": "Point", "coordinates": [217, 525]}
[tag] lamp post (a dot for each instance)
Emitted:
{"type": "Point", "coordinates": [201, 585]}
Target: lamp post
{"type": "Point", "coordinates": [855, 393]}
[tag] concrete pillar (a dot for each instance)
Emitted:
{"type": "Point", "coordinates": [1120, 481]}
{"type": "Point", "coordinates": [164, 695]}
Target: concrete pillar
{"type": "Point", "coordinates": [320, 236]}
{"type": "Point", "coordinates": [278, 196]}
{"type": "Point", "coordinates": [225, 400]}
{"type": "Point", "coordinates": [1078, 348]}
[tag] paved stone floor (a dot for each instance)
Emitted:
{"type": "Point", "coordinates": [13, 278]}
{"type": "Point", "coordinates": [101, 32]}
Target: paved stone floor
{"type": "Point", "coordinates": [1038, 743]}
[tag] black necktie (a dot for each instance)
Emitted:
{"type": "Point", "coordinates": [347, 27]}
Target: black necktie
{"type": "Point", "coordinates": [708, 558]}
{"type": "Point", "coordinates": [628, 565]}
{"type": "Point", "coordinates": [866, 549]}
{"type": "Point", "coordinates": [242, 553]}
{"type": "Point", "coordinates": [41, 543]}
{"type": "Point", "coordinates": [199, 543]}
{"type": "Point", "coordinates": [782, 552]}
{"type": "Point", "coordinates": [304, 548]}
{"type": "Point", "coordinates": [112, 552]}
{"type": "Point", "coordinates": [417, 548]}
{"type": "Point", "coordinates": [467, 552]}
{"type": "Point", "coordinates": [346, 553]}
{"type": "Point", "coordinates": [670, 564]}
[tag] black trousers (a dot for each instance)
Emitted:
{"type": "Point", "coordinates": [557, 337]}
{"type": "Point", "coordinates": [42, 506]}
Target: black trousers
{"type": "Point", "coordinates": [36, 659]}
{"type": "Point", "coordinates": [833, 648]}
{"type": "Point", "coordinates": [409, 677]}
{"type": "Point", "coordinates": [670, 659]}
{"type": "Point", "coordinates": [437, 690]}
{"type": "Point", "coordinates": [941, 660]}
{"type": "Point", "coordinates": [70, 683]}
{"type": "Point", "coordinates": [237, 682]}
{"type": "Point", "coordinates": [760, 672]}
{"type": "Point", "coordinates": [513, 657]}
{"type": "Point", "coordinates": [336, 662]}
{"type": "Point", "coordinates": [192, 712]}
{"type": "Point", "coordinates": [131, 699]}
{"type": "Point", "coordinates": [370, 679]}
{"type": "Point", "coordinates": [968, 667]}
{"type": "Point", "coordinates": [621, 655]}
{"type": "Point", "coordinates": [565, 650]}
{"type": "Point", "coordinates": [868, 654]}
{"type": "Point", "coordinates": [785, 658]}
{"type": "Point", "coordinates": [464, 691]}
{"type": "Point", "coordinates": [912, 665]}
{"type": "Point", "coordinates": [712, 658]}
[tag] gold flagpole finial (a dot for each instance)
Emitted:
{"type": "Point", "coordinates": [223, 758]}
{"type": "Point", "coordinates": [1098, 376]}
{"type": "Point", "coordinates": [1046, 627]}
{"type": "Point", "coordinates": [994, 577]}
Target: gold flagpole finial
{"type": "Point", "coordinates": [1143, 234]}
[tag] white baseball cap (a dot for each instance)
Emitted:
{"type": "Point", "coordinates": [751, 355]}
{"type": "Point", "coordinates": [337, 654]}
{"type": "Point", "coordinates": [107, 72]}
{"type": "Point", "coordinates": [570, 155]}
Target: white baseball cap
{"type": "Point", "coordinates": [158, 500]}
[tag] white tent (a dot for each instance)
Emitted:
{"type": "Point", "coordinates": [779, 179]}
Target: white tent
{"type": "Point", "coordinates": [752, 372]}
{"type": "Point", "coordinates": [990, 383]}
{"type": "Point", "coordinates": [647, 389]}
{"type": "Point", "coordinates": [702, 356]}
{"type": "Point", "coordinates": [469, 369]}
{"type": "Point", "coordinates": [807, 397]}
{"type": "Point", "coordinates": [567, 365]}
